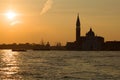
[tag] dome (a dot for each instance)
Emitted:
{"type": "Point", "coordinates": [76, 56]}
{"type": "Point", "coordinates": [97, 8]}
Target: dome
{"type": "Point", "coordinates": [90, 33]}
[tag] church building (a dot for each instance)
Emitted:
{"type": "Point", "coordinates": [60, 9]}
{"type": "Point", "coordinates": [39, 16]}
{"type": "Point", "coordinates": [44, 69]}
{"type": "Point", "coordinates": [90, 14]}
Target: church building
{"type": "Point", "coordinates": [89, 42]}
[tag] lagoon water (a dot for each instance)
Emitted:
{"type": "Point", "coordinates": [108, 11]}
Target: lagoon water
{"type": "Point", "coordinates": [59, 65]}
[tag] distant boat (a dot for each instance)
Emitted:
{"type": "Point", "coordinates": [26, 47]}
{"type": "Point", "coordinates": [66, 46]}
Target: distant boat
{"type": "Point", "coordinates": [41, 49]}
{"type": "Point", "coordinates": [19, 50]}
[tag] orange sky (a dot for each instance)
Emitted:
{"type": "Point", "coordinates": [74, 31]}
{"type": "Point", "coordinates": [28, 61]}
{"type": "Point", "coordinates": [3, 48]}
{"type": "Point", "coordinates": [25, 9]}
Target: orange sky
{"type": "Point", "coordinates": [54, 20]}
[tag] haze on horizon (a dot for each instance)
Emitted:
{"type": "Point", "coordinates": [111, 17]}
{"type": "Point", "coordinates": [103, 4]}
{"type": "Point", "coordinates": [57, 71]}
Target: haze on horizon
{"type": "Point", "coordinates": [54, 20]}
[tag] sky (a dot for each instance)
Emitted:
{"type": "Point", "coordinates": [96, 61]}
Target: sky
{"type": "Point", "coordinates": [54, 20]}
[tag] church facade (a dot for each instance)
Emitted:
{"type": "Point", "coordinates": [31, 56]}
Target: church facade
{"type": "Point", "coordinates": [88, 43]}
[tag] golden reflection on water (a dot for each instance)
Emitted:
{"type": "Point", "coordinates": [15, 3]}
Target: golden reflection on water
{"type": "Point", "coordinates": [9, 66]}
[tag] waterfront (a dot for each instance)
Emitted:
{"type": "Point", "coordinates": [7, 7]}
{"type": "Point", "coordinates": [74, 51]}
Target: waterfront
{"type": "Point", "coordinates": [59, 65]}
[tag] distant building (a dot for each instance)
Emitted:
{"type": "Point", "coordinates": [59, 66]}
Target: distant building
{"type": "Point", "coordinates": [112, 46]}
{"type": "Point", "coordinates": [88, 42]}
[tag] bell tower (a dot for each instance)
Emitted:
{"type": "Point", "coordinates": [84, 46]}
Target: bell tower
{"type": "Point", "coordinates": [78, 30]}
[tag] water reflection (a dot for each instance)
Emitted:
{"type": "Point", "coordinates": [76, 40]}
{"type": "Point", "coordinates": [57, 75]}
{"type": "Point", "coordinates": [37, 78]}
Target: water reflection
{"type": "Point", "coordinates": [9, 64]}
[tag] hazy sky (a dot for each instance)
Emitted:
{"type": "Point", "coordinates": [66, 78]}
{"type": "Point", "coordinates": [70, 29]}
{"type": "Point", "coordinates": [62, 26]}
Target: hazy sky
{"type": "Point", "coordinates": [54, 20]}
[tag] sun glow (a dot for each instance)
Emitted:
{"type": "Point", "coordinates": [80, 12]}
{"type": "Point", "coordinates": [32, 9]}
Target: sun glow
{"type": "Point", "coordinates": [11, 15]}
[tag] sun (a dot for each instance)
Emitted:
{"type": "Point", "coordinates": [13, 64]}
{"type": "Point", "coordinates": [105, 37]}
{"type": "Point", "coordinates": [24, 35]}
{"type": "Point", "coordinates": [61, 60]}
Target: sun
{"type": "Point", "coordinates": [11, 15]}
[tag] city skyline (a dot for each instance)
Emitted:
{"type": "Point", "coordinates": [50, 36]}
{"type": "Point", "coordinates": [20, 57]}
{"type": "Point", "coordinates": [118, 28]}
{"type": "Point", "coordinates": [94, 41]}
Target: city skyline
{"type": "Point", "coordinates": [54, 20]}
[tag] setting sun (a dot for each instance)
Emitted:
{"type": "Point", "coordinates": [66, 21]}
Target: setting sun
{"type": "Point", "coordinates": [11, 15]}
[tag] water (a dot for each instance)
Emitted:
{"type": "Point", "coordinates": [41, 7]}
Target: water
{"type": "Point", "coordinates": [59, 65]}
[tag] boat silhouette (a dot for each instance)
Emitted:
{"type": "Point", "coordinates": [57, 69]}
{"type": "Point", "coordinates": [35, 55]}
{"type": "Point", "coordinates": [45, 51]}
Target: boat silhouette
{"type": "Point", "coordinates": [19, 50]}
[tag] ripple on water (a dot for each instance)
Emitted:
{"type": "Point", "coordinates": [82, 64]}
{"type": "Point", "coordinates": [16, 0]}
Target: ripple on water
{"type": "Point", "coordinates": [59, 65]}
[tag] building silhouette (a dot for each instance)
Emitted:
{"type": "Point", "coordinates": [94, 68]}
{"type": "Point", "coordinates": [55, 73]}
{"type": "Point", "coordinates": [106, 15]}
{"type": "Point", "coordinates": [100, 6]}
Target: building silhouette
{"type": "Point", "coordinates": [112, 46]}
{"type": "Point", "coordinates": [88, 42]}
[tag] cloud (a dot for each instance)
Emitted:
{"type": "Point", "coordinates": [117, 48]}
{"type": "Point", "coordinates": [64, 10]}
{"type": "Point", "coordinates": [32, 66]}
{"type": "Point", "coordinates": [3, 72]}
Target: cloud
{"type": "Point", "coordinates": [47, 6]}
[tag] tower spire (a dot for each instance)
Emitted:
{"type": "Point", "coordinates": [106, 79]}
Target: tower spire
{"type": "Point", "coordinates": [78, 31]}
{"type": "Point", "coordinates": [78, 21]}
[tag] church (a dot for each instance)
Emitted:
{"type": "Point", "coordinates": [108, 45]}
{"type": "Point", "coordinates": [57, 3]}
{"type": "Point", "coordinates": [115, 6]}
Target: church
{"type": "Point", "coordinates": [89, 42]}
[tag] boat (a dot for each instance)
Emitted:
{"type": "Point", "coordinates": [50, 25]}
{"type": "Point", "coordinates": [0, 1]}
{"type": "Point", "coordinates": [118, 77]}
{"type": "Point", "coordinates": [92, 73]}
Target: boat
{"type": "Point", "coordinates": [41, 49]}
{"type": "Point", "coordinates": [19, 50]}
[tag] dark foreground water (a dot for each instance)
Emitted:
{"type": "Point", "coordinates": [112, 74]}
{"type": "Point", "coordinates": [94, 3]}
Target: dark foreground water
{"type": "Point", "coordinates": [59, 65]}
